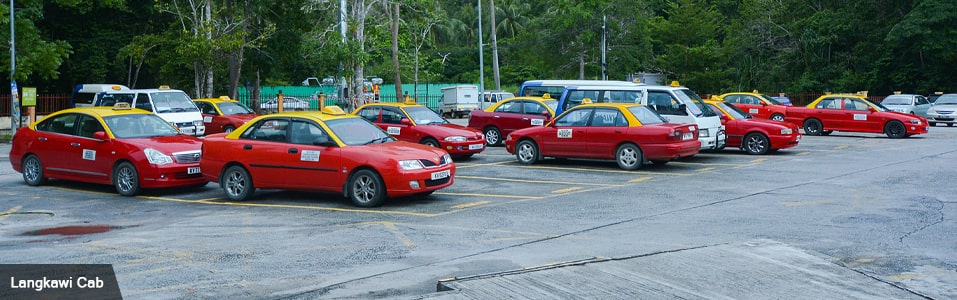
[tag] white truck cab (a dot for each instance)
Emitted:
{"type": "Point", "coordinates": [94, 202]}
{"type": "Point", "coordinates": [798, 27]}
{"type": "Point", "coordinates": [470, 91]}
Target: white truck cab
{"type": "Point", "coordinates": [174, 106]}
{"type": "Point", "coordinates": [676, 103]}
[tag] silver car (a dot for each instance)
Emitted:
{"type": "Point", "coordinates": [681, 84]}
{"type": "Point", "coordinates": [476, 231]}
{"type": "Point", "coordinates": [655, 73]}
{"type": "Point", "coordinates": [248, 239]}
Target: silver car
{"type": "Point", "coordinates": [944, 110]}
{"type": "Point", "coordinates": [907, 103]}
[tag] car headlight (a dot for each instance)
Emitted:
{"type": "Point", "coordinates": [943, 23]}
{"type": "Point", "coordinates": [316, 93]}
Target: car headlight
{"type": "Point", "coordinates": [156, 157]}
{"type": "Point", "coordinates": [447, 158]}
{"type": "Point", "coordinates": [914, 121]}
{"type": "Point", "coordinates": [509, 137]}
{"type": "Point", "coordinates": [455, 138]}
{"type": "Point", "coordinates": [198, 123]}
{"type": "Point", "coordinates": [786, 131]}
{"type": "Point", "coordinates": [409, 165]}
{"type": "Point", "coordinates": [703, 133]}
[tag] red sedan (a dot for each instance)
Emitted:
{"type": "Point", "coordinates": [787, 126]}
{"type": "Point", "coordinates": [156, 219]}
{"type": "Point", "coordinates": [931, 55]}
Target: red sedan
{"type": "Point", "coordinates": [755, 136]}
{"type": "Point", "coordinates": [855, 113]}
{"type": "Point", "coordinates": [316, 151]}
{"type": "Point", "coordinates": [223, 114]}
{"type": "Point", "coordinates": [131, 149]}
{"type": "Point", "coordinates": [758, 105]}
{"type": "Point", "coordinates": [630, 134]}
{"type": "Point", "coordinates": [418, 124]}
{"type": "Point", "coordinates": [511, 114]}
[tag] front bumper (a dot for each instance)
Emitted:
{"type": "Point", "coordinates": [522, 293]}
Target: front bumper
{"type": "Point", "coordinates": [784, 141]}
{"type": "Point", "coordinates": [463, 148]}
{"type": "Point", "coordinates": [171, 175]}
{"type": "Point", "coordinates": [942, 118]}
{"type": "Point", "coordinates": [401, 183]}
{"type": "Point", "coordinates": [715, 140]}
{"type": "Point", "coordinates": [192, 130]}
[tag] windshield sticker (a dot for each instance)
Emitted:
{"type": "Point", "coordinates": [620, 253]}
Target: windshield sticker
{"type": "Point", "coordinates": [309, 155]}
{"type": "Point", "coordinates": [207, 119]}
{"type": "Point", "coordinates": [394, 130]}
{"type": "Point", "coordinates": [753, 111]}
{"type": "Point", "coordinates": [538, 122]}
{"type": "Point", "coordinates": [860, 117]}
{"type": "Point", "coordinates": [564, 133]}
{"type": "Point", "coordinates": [89, 154]}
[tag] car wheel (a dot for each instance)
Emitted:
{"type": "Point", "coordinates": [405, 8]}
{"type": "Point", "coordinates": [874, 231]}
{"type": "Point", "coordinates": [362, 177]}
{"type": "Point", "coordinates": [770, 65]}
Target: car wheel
{"type": "Point", "coordinates": [777, 117]}
{"type": "Point", "coordinates": [237, 183]}
{"type": "Point", "coordinates": [895, 129]}
{"type": "Point", "coordinates": [126, 179]}
{"type": "Point", "coordinates": [932, 124]}
{"type": "Point", "coordinates": [813, 127]}
{"type": "Point", "coordinates": [492, 136]}
{"type": "Point", "coordinates": [228, 128]}
{"type": "Point", "coordinates": [526, 152]}
{"type": "Point", "coordinates": [33, 171]}
{"type": "Point", "coordinates": [827, 132]}
{"type": "Point", "coordinates": [366, 189]}
{"type": "Point", "coordinates": [629, 157]}
{"type": "Point", "coordinates": [430, 142]}
{"type": "Point", "coordinates": [950, 124]}
{"type": "Point", "coordinates": [756, 143]}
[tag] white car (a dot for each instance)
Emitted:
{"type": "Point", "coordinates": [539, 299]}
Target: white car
{"type": "Point", "coordinates": [943, 111]}
{"type": "Point", "coordinates": [907, 103]}
{"type": "Point", "coordinates": [288, 103]}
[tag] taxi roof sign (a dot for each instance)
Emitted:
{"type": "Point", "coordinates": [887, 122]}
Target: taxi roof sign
{"type": "Point", "coordinates": [675, 83]}
{"type": "Point", "coordinates": [546, 96]}
{"type": "Point", "coordinates": [333, 110]}
{"type": "Point", "coordinates": [225, 98]}
{"type": "Point", "coordinates": [164, 87]}
{"type": "Point", "coordinates": [122, 106]}
{"type": "Point", "coordinates": [586, 101]}
{"type": "Point", "coordinates": [116, 87]}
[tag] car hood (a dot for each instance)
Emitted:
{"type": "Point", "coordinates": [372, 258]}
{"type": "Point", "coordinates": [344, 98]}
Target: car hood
{"type": "Point", "coordinates": [444, 130]}
{"type": "Point", "coordinates": [944, 107]}
{"type": "Point", "coordinates": [241, 117]}
{"type": "Point", "coordinates": [401, 150]}
{"type": "Point", "coordinates": [167, 144]}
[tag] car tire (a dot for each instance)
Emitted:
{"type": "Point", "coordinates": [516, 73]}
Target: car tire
{"type": "Point", "coordinates": [493, 136]}
{"type": "Point", "coordinates": [430, 142]}
{"type": "Point", "coordinates": [32, 169]}
{"type": "Point", "coordinates": [629, 157]}
{"type": "Point", "coordinates": [950, 124]}
{"type": "Point", "coordinates": [827, 132]}
{"type": "Point", "coordinates": [895, 129]}
{"type": "Point", "coordinates": [228, 128]}
{"type": "Point", "coordinates": [813, 127]}
{"type": "Point", "coordinates": [777, 117]}
{"type": "Point", "coordinates": [126, 179]}
{"type": "Point", "coordinates": [237, 184]}
{"type": "Point", "coordinates": [756, 143]}
{"type": "Point", "coordinates": [527, 152]}
{"type": "Point", "coordinates": [366, 188]}
{"type": "Point", "coordinates": [932, 124]}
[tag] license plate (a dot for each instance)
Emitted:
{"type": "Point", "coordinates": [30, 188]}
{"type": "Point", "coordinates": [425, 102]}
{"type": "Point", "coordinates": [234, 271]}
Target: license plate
{"type": "Point", "coordinates": [192, 170]}
{"type": "Point", "coordinates": [687, 136]}
{"type": "Point", "coordinates": [476, 146]}
{"type": "Point", "coordinates": [441, 174]}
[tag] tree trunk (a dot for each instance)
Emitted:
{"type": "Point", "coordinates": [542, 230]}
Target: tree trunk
{"type": "Point", "coordinates": [395, 53]}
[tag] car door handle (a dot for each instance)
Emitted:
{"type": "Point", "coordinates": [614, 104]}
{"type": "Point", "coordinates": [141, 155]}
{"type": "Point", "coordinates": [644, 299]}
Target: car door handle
{"type": "Point", "coordinates": [42, 139]}
{"type": "Point", "coordinates": [293, 150]}
{"type": "Point", "coordinates": [496, 117]}
{"type": "Point", "coordinates": [617, 131]}
{"type": "Point", "coordinates": [247, 147]}
{"type": "Point", "coordinates": [524, 119]}
{"type": "Point", "coordinates": [75, 144]}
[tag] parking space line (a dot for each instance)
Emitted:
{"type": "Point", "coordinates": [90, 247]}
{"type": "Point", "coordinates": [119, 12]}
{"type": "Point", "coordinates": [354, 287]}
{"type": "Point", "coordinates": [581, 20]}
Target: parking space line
{"type": "Point", "coordinates": [399, 235]}
{"type": "Point", "coordinates": [473, 204]}
{"type": "Point", "coordinates": [758, 160]}
{"type": "Point", "coordinates": [842, 147]}
{"type": "Point", "coordinates": [640, 179]}
{"type": "Point", "coordinates": [566, 190]}
{"type": "Point", "coordinates": [10, 211]}
{"type": "Point", "coordinates": [537, 181]}
{"type": "Point", "coordinates": [601, 170]}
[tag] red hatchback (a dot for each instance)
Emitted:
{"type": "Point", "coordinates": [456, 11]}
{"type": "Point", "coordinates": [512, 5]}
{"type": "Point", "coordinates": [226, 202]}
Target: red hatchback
{"type": "Point", "coordinates": [418, 124]}
{"type": "Point", "coordinates": [131, 149]}
{"type": "Point", "coordinates": [223, 114]}
{"type": "Point", "coordinates": [631, 134]}
{"type": "Point", "coordinates": [511, 114]}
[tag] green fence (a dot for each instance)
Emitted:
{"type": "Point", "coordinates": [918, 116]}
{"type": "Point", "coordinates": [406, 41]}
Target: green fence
{"type": "Point", "coordinates": [426, 94]}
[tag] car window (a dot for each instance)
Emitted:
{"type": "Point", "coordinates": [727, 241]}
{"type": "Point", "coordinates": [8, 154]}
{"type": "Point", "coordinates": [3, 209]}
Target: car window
{"type": "Point", "coordinates": [621, 96]}
{"type": "Point", "coordinates": [578, 117]}
{"type": "Point", "coordinates": [664, 104]}
{"type": "Point", "coordinates": [356, 131]}
{"type": "Point", "coordinates": [206, 108]}
{"type": "Point", "coordinates": [733, 98]}
{"type": "Point", "coordinates": [233, 108]}
{"type": "Point", "coordinates": [533, 108]}
{"type": "Point", "coordinates": [267, 130]}
{"type": "Point", "coordinates": [59, 124]}
{"type": "Point", "coordinates": [305, 132]}
{"type": "Point", "coordinates": [896, 100]}
{"type": "Point", "coordinates": [606, 117]}
{"type": "Point", "coordinates": [171, 102]}
{"type": "Point", "coordinates": [423, 115]}
{"type": "Point", "coordinates": [921, 100]}
{"type": "Point", "coordinates": [113, 99]}
{"type": "Point", "coordinates": [88, 126]}
{"type": "Point", "coordinates": [854, 104]}
{"type": "Point", "coordinates": [370, 113]}
{"type": "Point", "coordinates": [139, 126]}
{"type": "Point", "coordinates": [143, 102]}
{"type": "Point", "coordinates": [575, 97]}
{"type": "Point", "coordinates": [646, 115]}
{"type": "Point", "coordinates": [392, 115]}
{"type": "Point", "coordinates": [829, 103]}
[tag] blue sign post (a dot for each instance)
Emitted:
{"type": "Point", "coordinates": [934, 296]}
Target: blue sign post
{"type": "Point", "coordinates": [14, 107]}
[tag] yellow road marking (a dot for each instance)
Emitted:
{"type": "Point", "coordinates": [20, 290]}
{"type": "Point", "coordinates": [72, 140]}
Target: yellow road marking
{"type": "Point", "coordinates": [601, 170]}
{"type": "Point", "coordinates": [804, 153]}
{"type": "Point", "coordinates": [536, 181]}
{"type": "Point", "coordinates": [841, 147]}
{"type": "Point", "coordinates": [10, 211]}
{"type": "Point", "coordinates": [706, 169]}
{"type": "Point", "coordinates": [460, 166]}
{"type": "Point", "coordinates": [759, 160]}
{"type": "Point", "coordinates": [566, 190]}
{"type": "Point", "coordinates": [640, 179]}
{"type": "Point", "coordinates": [399, 235]}
{"type": "Point", "coordinates": [473, 204]}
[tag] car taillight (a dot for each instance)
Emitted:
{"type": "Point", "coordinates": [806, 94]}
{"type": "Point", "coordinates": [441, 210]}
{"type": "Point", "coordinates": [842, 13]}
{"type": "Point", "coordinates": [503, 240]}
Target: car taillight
{"type": "Point", "coordinates": [674, 135]}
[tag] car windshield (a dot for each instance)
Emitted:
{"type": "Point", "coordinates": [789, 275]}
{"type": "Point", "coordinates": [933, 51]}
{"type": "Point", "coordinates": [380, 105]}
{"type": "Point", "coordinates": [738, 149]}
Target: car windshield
{"type": "Point", "coordinates": [947, 100]}
{"type": "Point", "coordinates": [699, 108]}
{"type": "Point", "coordinates": [234, 108]}
{"type": "Point", "coordinates": [896, 100]}
{"type": "Point", "coordinates": [770, 100]}
{"type": "Point", "coordinates": [422, 115]}
{"type": "Point", "coordinates": [646, 115]}
{"type": "Point", "coordinates": [165, 102]}
{"type": "Point", "coordinates": [358, 131]}
{"type": "Point", "coordinates": [734, 111]}
{"type": "Point", "coordinates": [874, 103]}
{"type": "Point", "coordinates": [553, 104]}
{"type": "Point", "coordinates": [139, 126]}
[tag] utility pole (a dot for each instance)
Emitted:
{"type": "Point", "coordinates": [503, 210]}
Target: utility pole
{"type": "Point", "coordinates": [481, 53]}
{"type": "Point", "coordinates": [604, 48]}
{"type": "Point", "coordinates": [14, 97]}
{"type": "Point", "coordinates": [498, 82]}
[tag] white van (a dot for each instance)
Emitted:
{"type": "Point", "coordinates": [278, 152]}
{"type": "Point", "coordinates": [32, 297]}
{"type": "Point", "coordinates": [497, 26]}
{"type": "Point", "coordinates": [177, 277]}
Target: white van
{"type": "Point", "coordinates": [84, 95]}
{"type": "Point", "coordinates": [676, 103]}
{"type": "Point", "coordinates": [174, 106]}
{"type": "Point", "coordinates": [491, 97]}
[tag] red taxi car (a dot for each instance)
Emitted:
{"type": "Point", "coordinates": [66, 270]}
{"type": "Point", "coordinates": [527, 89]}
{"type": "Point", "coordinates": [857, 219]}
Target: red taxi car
{"type": "Point", "coordinates": [223, 114]}
{"type": "Point", "coordinates": [631, 134]}
{"type": "Point", "coordinates": [855, 113]}
{"type": "Point", "coordinates": [416, 123]}
{"type": "Point", "coordinates": [754, 136]}
{"type": "Point", "coordinates": [512, 114]}
{"type": "Point", "coordinates": [758, 105]}
{"type": "Point", "coordinates": [129, 148]}
{"type": "Point", "coordinates": [326, 152]}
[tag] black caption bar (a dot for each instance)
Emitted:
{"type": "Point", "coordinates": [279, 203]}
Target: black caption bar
{"type": "Point", "coordinates": [94, 281]}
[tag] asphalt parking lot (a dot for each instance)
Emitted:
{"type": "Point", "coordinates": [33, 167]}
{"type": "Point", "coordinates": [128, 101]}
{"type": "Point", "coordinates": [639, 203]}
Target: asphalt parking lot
{"type": "Point", "coordinates": [880, 207]}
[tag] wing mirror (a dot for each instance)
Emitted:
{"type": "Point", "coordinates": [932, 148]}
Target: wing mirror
{"type": "Point", "coordinates": [101, 135]}
{"type": "Point", "coordinates": [405, 121]}
{"type": "Point", "coordinates": [324, 141]}
{"type": "Point", "coordinates": [871, 109]}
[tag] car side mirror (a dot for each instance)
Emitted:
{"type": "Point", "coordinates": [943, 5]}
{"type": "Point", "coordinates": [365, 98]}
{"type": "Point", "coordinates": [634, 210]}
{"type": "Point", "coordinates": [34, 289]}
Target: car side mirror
{"type": "Point", "coordinates": [405, 121]}
{"type": "Point", "coordinates": [871, 109]}
{"type": "Point", "coordinates": [725, 118]}
{"type": "Point", "coordinates": [101, 135]}
{"type": "Point", "coordinates": [324, 141]}
{"type": "Point", "coordinates": [764, 104]}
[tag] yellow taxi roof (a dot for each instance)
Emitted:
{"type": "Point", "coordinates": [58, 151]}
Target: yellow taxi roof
{"type": "Point", "coordinates": [740, 93]}
{"type": "Point", "coordinates": [217, 100]}
{"type": "Point", "coordinates": [317, 115]}
{"type": "Point", "coordinates": [392, 104]}
{"type": "Point", "coordinates": [104, 111]}
{"type": "Point", "coordinates": [607, 104]}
